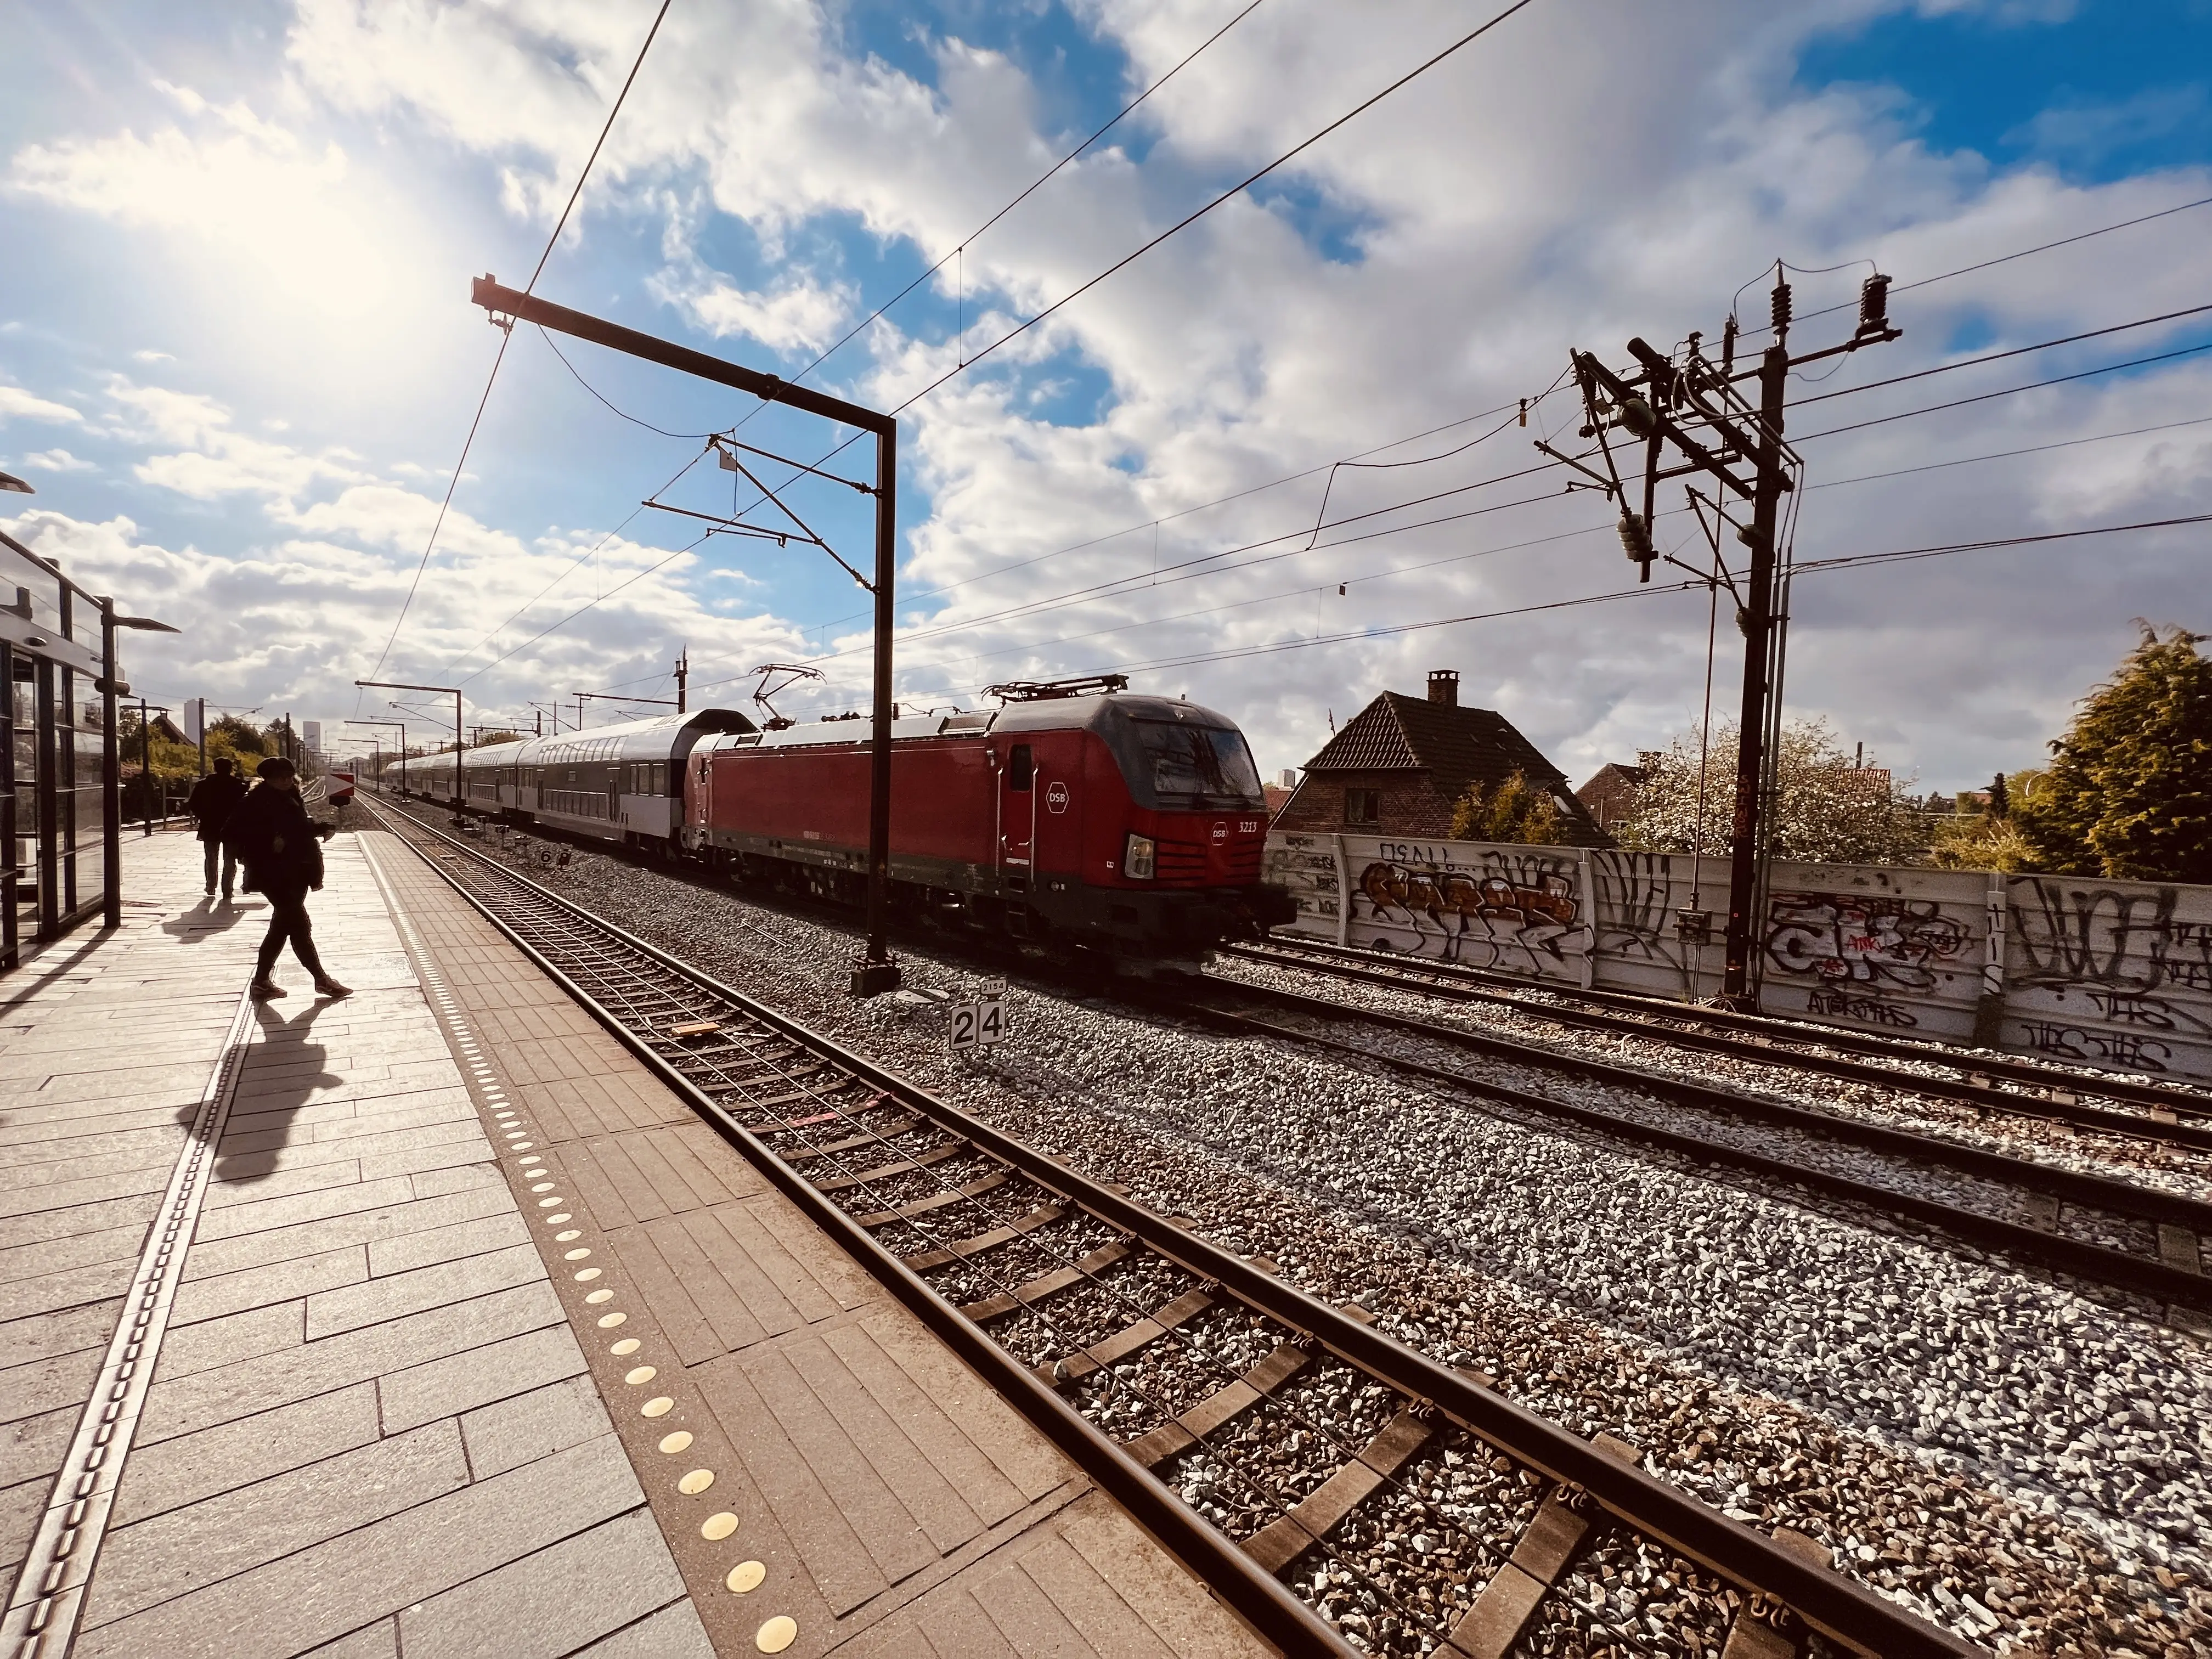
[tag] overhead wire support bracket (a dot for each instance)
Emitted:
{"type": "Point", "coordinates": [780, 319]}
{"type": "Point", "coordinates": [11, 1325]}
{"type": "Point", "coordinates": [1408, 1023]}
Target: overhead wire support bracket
{"type": "Point", "coordinates": [1608, 485]}
{"type": "Point", "coordinates": [715, 440]}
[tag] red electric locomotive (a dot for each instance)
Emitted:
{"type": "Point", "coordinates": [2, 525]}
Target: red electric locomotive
{"type": "Point", "coordinates": [1126, 826]}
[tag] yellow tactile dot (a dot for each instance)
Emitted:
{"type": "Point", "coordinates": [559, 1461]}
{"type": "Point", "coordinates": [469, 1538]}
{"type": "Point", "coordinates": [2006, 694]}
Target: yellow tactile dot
{"type": "Point", "coordinates": [532, 1158]}
{"type": "Point", "coordinates": [545, 1203]}
{"type": "Point", "coordinates": [658, 1405]}
{"type": "Point", "coordinates": [746, 1577]}
{"type": "Point", "coordinates": [608, 1322]}
{"type": "Point", "coordinates": [576, 1254]}
{"type": "Point", "coordinates": [777, 1634]}
{"type": "Point", "coordinates": [555, 1220]}
{"type": "Point", "coordinates": [679, 1441]}
{"type": "Point", "coordinates": [696, 1482]}
{"type": "Point", "coordinates": [716, 1527]}
{"type": "Point", "coordinates": [597, 1296]}
{"type": "Point", "coordinates": [522, 1145]}
{"type": "Point", "coordinates": [545, 1187]}
{"type": "Point", "coordinates": [624, 1348]}
{"type": "Point", "coordinates": [643, 1374]}
{"type": "Point", "coordinates": [587, 1275]}
{"type": "Point", "coordinates": [562, 1238]}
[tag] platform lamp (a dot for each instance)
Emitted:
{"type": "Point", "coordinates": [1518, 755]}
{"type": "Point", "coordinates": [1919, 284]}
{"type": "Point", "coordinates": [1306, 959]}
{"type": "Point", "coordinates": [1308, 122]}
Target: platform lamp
{"type": "Point", "coordinates": [111, 763]}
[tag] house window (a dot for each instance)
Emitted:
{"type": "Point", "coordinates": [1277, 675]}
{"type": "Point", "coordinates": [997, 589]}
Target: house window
{"type": "Point", "coordinates": [1363, 806]}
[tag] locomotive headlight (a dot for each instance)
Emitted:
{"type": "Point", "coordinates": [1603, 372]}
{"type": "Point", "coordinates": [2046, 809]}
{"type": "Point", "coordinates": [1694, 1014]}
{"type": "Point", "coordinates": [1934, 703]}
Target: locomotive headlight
{"type": "Point", "coordinates": [1137, 857]}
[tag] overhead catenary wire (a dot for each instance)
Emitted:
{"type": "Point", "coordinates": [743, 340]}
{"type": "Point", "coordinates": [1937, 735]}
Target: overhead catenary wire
{"type": "Point", "coordinates": [506, 334]}
{"type": "Point", "coordinates": [2003, 392]}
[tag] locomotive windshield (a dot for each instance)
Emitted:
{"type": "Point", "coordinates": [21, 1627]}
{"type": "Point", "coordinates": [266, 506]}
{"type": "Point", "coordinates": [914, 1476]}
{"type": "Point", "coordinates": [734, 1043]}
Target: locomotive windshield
{"type": "Point", "coordinates": [1198, 766]}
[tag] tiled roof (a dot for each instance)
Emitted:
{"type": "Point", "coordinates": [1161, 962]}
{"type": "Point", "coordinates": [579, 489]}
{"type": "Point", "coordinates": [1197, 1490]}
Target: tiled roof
{"type": "Point", "coordinates": [1457, 747]}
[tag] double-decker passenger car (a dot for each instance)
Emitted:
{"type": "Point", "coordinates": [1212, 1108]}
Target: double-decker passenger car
{"type": "Point", "coordinates": [621, 783]}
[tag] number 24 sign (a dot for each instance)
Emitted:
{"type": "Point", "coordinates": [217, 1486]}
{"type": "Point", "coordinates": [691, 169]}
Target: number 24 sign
{"type": "Point", "coordinates": [977, 1024]}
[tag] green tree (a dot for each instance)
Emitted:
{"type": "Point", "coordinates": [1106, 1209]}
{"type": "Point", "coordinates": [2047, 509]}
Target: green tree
{"type": "Point", "coordinates": [2128, 792]}
{"type": "Point", "coordinates": [1516, 810]}
{"type": "Point", "coordinates": [1984, 833]}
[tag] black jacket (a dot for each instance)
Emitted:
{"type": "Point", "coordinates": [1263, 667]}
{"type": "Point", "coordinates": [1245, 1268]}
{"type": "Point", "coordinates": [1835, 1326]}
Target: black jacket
{"type": "Point", "coordinates": [213, 799]}
{"type": "Point", "coordinates": [276, 840]}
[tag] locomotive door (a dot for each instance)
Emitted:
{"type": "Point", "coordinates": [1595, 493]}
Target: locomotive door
{"type": "Point", "coordinates": [1018, 809]}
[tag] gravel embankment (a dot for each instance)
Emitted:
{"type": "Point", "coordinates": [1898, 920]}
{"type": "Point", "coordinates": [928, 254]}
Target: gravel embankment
{"type": "Point", "coordinates": [2023, 1463]}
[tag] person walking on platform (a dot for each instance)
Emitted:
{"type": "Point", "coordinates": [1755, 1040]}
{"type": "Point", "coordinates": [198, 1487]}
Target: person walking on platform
{"type": "Point", "coordinates": [213, 799]}
{"type": "Point", "coordinates": [282, 848]}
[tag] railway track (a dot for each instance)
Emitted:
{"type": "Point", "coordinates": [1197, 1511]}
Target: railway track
{"type": "Point", "coordinates": [2171, 1113]}
{"type": "Point", "coordinates": [1343, 1491]}
{"type": "Point", "coordinates": [2053, 1203]}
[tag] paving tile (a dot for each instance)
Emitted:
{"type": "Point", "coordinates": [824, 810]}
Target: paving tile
{"type": "Point", "coordinates": [551, 1602]}
{"type": "Point", "coordinates": [466, 1238]}
{"type": "Point", "coordinates": [250, 1336]}
{"type": "Point", "coordinates": [134, 1210]}
{"type": "Point", "coordinates": [20, 1505]}
{"type": "Point", "coordinates": [75, 1250]}
{"type": "Point", "coordinates": [89, 1327]}
{"type": "Point", "coordinates": [515, 1431]}
{"type": "Point", "coordinates": [378, 1641]}
{"type": "Point", "coordinates": [319, 1593]}
{"type": "Point", "coordinates": [248, 1386]}
{"type": "Point", "coordinates": [271, 1214]}
{"type": "Point", "coordinates": [86, 1162]}
{"type": "Point", "coordinates": [400, 1214]}
{"type": "Point", "coordinates": [52, 1293]}
{"type": "Point", "coordinates": [257, 1287]}
{"type": "Point", "coordinates": [674, 1632]}
{"type": "Point", "coordinates": [153, 1178]}
{"type": "Point", "coordinates": [281, 1183]}
{"type": "Point", "coordinates": [66, 1380]}
{"type": "Point", "coordinates": [473, 1176]}
{"type": "Point", "coordinates": [156, 1560]}
{"type": "Point", "coordinates": [475, 1376]}
{"type": "Point", "coordinates": [375, 1300]}
{"type": "Point", "coordinates": [173, 1473]}
{"type": "Point", "coordinates": [31, 1448]}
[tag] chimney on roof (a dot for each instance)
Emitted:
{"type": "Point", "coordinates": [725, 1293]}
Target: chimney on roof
{"type": "Point", "coordinates": [1444, 686]}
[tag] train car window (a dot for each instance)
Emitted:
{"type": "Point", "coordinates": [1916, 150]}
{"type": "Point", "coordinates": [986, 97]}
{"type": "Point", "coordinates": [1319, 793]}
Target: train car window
{"type": "Point", "coordinates": [1200, 766]}
{"type": "Point", "coordinates": [1021, 770]}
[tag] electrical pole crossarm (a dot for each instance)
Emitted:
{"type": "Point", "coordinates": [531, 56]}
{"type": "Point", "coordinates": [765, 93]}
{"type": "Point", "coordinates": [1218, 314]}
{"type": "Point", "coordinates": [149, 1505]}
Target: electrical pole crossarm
{"type": "Point", "coordinates": [503, 302]}
{"type": "Point", "coordinates": [1697, 454]}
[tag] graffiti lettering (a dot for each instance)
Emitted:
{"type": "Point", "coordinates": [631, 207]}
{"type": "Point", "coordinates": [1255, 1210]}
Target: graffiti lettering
{"type": "Point", "coordinates": [2126, 1008]}
{"type": "Point", "coordinates": [1862, 938]}
{"type": "Point", "coordinates": [1520, 914]}
{"type": "Point", "coordinates": [2095, 935]}
{"type": "Point", "coordinates": [2113, 1047]}
{"type": "Point", "coordinates": [1870, 1010]}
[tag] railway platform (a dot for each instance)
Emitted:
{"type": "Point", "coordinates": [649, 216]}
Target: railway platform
{"type": "Point", "coordinates": [429, 1321]}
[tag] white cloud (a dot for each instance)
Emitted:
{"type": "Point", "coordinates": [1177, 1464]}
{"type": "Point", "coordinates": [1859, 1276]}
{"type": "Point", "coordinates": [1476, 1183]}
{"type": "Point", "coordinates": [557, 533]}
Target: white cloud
{"type": "Point", "coordinates": [150, 356]}
{"type": "Point", "coordinates": [796, 314]}
{"type": "Point", "coordinates": [17, 405]}
{"type": "Point", "coordinates": [213, 458]}
{"type": "Point", "coordinates": [57, 461]}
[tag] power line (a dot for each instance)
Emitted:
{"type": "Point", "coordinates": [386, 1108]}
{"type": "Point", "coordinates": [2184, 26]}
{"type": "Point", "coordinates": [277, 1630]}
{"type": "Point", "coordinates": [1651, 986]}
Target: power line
{"type": "Point", "coordinates": [627, 582]}
{"type": "Point", "coordinates": [2007, 391]}
{"type": "Point", "coordinates": [1995, 356]}
{"type": "Point", "coordinates": [1126, 110]}
{"type": "Point", "coordinates": [453, 483]}
{"type": "Point", "coordinates": [1235, 190]}
{"type": "Point", "coordinates": [622, 414]}
{"type": "Point", "coordinates": [1984, 264]}
{"type": "Point", "coordinates": [2006, 454]}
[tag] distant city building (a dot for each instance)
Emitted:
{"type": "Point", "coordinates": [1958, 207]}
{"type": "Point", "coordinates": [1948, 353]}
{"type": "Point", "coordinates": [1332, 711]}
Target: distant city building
{"type": "Point", "coordinates": [312, 732]}
{"type": "Point", "coordinates": [1400, 764]}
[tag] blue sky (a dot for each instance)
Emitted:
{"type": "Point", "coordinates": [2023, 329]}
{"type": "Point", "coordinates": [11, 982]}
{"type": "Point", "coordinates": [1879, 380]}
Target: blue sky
{"type": "Point", "coordinates": [240, 359]}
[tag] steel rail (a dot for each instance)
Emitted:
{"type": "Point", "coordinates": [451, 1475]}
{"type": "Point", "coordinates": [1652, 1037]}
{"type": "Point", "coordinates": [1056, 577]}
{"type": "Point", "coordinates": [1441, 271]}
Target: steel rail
{"type": "Point", "coordinates": [1835, 1607]}
{"type": "Point", "coordinates": [2097, 1192]}
{"type": "Point", "coordinates": [2118, 1269]}
{"type": "Point", "coordinates": [1653, 1016]}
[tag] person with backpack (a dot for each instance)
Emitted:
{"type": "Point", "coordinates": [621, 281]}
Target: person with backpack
{"type": "Point", "coordinates": [282, 848]}
{"type": "Point", "coordinates": [213, 799]}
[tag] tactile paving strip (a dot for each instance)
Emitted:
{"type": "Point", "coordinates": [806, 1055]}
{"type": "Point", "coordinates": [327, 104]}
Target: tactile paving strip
{"type": "Point", "coordinates": [683, 1459]}
{"type": "Point", "coordinates": [49, 1593]}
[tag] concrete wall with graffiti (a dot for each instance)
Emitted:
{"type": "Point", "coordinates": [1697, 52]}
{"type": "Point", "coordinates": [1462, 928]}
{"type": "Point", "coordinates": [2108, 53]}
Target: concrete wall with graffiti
{"type": "Point", "coordinates": [2105, 972]}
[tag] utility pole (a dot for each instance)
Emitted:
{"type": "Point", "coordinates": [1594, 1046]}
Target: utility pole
{"type": "Point", "coordinates": [402, 725]}
{"type": "Point", "coordinates": [1693, 408]}
{"type": "Point", "coordinates": [452, 691]}
{"type": "Point", "coordinates": [876, 972]}
{"type": "Point", "coordinates": [682, 676]}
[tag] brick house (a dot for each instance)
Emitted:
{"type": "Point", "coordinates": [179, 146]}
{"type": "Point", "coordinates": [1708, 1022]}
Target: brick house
{"type": "Point", "coordinates": [1611, 793]}
{"type": "Point", "coordinates": [1400, 762]}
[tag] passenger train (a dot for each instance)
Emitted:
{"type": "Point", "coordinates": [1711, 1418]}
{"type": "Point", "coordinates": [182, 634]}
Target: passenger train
{"type": "Point", "coordinates": [1121, 825]}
